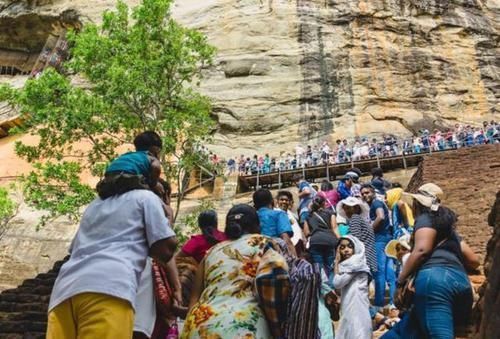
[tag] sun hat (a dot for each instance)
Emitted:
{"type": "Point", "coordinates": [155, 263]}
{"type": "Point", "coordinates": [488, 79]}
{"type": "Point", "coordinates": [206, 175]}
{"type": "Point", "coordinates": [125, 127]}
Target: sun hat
{"type": "Point", "coordinates": [390, 248]}
{"type": "Point", "coordinates": [352, 201]}
{"type": "Point", "coordinates": [429, 195]}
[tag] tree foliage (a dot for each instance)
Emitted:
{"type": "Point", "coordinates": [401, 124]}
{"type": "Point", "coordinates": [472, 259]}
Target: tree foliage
{"type": "Point", "coordinates": [140, 69]}
{"type": "Point", "coordinates": [189, 223]}
{"type": "Point", "coordinates": [8, 209]}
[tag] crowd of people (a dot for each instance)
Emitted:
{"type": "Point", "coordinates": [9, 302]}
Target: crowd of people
{"type": "Point", "coordinates": [362, 148]}
{"type": "Point", "coordinates": [276, 271]}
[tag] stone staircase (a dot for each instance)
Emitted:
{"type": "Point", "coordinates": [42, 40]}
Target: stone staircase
{"type": "Point", "coordinates": [226, 197]}
{"type": "Point", "coordinates": [23, 310]}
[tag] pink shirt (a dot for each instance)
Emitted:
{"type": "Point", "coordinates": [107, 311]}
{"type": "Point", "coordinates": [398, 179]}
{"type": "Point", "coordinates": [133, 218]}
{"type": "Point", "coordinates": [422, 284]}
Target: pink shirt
{"type": "Point", "coordinates": [198, 246]}
{"type": "Point", "coordinates": [332, 197]}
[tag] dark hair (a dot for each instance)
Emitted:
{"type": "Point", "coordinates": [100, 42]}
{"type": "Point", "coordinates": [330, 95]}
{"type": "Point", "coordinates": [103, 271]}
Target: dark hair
{"type": "Point", "coordinates": [443, 218]}
{"type": "Point", "coordinates": [288, 194]}
{"type": "Point", "coordinates": [356, 170]}
{"type": "Point", "coordinates": [344, 238]}
{"type": "Point", "coordinates": [146, 140]}
{"type": "Point", "coordinates": [369, 186]}
{"type": "Point", "coordinates": [377, 172]}
{"type": "Point", "coordinates": [207, 221]}
{"type": "Point", "coordinates": [296, 177]}
{"type": "Point", "coordinates": [241, 219]}
{"type": "Point", "coordinates": [167, 188]}
{"type": "Point", "coordinates": [262, 198]}
{"type": "Point", "coordinates": [326, 185]}
{"type": "Point", "coordinates": [317, 203]}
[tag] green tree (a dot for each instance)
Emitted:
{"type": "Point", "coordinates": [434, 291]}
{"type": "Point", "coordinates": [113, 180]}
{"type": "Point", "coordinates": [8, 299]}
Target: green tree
{"type": "Point", "coordinates": [8, 209]}
{"type": "Point", "coordinates": [137, 71]}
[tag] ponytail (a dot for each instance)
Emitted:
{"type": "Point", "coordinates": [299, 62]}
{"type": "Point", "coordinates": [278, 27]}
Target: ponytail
{"type": "Point", "coordinates": [317, 204]}
{"type": "Point", "coordinates": [241, 219]}
{"type": "Point", "coordinates": [208, 233]}
{"type": "Point", "coordinates": [207, 221]}
{"type": "Point", "coordinates": [233, 228]}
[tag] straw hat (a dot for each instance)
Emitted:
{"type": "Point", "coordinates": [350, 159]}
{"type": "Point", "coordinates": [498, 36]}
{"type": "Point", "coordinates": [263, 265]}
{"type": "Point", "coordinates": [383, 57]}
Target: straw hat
{"type": "Point", "coordinates": [352, 201]}
{"type": "Point", "coordinates": [429, 195]}
{"type": "Point", "coordinates": [390, 248]}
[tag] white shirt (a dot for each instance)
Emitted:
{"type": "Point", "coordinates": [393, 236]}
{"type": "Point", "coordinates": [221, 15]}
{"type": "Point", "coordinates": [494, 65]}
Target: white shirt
{"type": "Point", "coordinates": [109, 251]}
{"type": "Point", "coordinates": [297, 231]}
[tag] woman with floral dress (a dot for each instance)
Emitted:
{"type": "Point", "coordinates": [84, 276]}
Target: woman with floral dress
{"type": "Point", "coordinates": [222, 302]}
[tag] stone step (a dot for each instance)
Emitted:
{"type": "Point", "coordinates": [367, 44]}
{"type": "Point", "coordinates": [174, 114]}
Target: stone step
{"type": "Point", "coordinates": [8, 306]}
{"type": "Point", "coordinates": [25, 325]}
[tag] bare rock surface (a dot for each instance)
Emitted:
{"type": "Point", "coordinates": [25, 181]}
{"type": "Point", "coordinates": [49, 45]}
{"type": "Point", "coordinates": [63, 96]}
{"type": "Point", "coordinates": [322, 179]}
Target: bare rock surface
{"type": "Point", "coordinates": [307, 70]}
{"type": "Point", "coordinates": [488, 308]}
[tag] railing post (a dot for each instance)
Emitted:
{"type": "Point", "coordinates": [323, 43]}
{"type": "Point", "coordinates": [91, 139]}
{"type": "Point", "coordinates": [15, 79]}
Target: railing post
{"type": "Point", "coordinates": [378, 159]}
{"type": "Point", "coordinates": [327, 172]}
{"type": "Point", "coordinates": [404, 160]}
{"type": "Point", "coordinates": [257, 183]}
{"type": "Point", "coordinates": [279, 178]}
{"type": "Point", "coordinates": [304, 172]}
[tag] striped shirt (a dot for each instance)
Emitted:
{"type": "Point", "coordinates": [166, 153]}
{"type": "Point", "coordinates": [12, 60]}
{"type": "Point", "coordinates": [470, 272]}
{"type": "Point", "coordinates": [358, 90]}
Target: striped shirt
{"type": "Point", "coordinates": [359, 228]}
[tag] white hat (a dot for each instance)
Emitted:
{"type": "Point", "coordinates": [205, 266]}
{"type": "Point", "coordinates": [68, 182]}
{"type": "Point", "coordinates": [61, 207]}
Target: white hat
{"type": "Point", "coordinates": [429, 195]}
{"type": "Point", "coordinates": [352, 201]}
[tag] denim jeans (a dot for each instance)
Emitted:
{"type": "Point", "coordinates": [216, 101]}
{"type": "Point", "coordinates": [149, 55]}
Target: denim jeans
{"type": "Point", "coordinates": [443, 299]}
{"type": "Point", "coordinates": [384, 276]}
{"type": "Point", "coordinates": [324, 256]}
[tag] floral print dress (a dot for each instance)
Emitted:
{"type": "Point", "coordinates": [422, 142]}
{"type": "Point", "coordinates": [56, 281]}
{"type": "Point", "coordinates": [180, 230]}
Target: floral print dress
{"type": "Point", "coordinates": [227, 307]}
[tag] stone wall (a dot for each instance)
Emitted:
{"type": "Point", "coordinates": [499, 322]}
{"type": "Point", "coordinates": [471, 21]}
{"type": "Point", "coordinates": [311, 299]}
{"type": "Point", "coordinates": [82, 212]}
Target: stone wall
{"type": "Point", "coordinates": [26, 251]}
{"type": "Point", "coordinates": [470, 179]}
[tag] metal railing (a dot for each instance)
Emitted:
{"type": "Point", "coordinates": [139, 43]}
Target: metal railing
{"type": "Point", "coordinates": [281, 177]}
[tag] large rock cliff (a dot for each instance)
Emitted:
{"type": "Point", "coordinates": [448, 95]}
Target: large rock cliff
{"type": "Point", "coordinates": [297, 70]}
{"type": "Point", "coordinates": [488, 324]}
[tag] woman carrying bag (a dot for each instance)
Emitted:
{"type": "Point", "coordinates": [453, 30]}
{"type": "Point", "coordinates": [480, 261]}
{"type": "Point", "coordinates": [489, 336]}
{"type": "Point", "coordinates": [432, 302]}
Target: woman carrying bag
{"type": "Point", "coordinates": [436, 268]}
{"type": "Point", "coordinates": [322, 231]}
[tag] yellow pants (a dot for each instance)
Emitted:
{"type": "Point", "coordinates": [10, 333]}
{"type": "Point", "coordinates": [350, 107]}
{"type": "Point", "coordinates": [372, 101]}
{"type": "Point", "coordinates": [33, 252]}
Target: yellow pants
{"type": "Point", "coordinates": [91, 315]}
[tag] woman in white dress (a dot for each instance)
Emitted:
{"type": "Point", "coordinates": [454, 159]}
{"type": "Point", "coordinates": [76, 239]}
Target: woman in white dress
{"type": "Point", "coordinates": [352, 278]}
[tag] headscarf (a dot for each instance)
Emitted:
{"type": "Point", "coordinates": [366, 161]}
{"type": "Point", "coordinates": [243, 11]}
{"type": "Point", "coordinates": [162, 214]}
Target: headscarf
{"type": "Point", "coordinates": [357, 262]}
{"type": "Point", "coordinates": [393, 196]}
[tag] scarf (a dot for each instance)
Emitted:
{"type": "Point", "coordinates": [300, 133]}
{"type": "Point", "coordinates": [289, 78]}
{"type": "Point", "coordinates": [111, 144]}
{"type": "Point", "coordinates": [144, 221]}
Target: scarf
{"type": "Point", "coordinates": [393, 196]}
{"type": "Point", "coordinates": [357, 262]}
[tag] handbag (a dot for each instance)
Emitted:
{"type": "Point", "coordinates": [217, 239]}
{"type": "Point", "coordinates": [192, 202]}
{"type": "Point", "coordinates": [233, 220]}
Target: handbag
{"type": "Point", "coordinates": [332, 303]}
{"type": "Point", "coordinates": [272, 287]}
{"type": "Point", "coordinates": [163, 291]}
{"type": "Point", "coordinates": [404, 295]}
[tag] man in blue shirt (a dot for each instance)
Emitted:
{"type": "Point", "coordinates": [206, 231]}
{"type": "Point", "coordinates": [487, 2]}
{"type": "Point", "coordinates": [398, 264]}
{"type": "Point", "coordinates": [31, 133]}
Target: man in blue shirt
{"type": "Point", "coordinates": [346, 184]}
{"type": "Point", "coordinates": [306, 195]}
{"type": "Point", "coordinates": [379, 216]}
{"type": "Point", "coordinates": [273, 223]}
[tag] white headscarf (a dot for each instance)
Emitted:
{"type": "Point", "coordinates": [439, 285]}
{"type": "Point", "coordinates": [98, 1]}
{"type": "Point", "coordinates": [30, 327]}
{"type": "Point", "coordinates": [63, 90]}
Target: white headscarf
{"type": "Point", "coordinates": [357, 262]}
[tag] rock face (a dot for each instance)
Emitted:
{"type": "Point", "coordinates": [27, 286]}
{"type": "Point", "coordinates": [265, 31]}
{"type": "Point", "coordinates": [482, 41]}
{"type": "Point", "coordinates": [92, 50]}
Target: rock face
{"type": "Point", "coordinates": [302, 70]}
{"type": "Point", "coordinates": [489, 305]}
